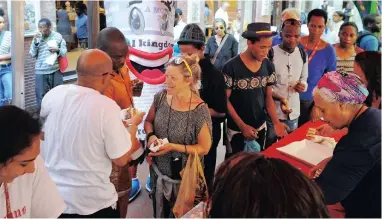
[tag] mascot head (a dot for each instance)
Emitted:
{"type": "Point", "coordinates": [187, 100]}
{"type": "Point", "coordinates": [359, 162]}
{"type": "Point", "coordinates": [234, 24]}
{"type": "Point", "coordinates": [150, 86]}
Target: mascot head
{"type": "Point", "coordinates": [148, 27]}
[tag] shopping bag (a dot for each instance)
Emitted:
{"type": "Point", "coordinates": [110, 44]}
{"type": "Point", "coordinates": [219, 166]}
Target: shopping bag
{"type": "Point", "coordinates": [63, 63]}
{"type": "Point", "coordinates": [193, 188]}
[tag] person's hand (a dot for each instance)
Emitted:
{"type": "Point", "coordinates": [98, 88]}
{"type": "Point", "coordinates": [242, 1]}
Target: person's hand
{"type": "Point", "coordinates": [315, 114]}
{"type": "Point", "coordinates": [299, 87]}
{"type": "Point", "coordinates": [281, 129]}
{"type": "Point", "coordinates": [162, 150]}
{"type": "Point", "coordinates": [325, 130]}
{"type": "Point", "coordinates": [249, 132]}
{"type": "Point", "coordinates": [137, 118]}
{"type": "Point", "coordinates": [151, 140]}
{"type": "Point", "coordinates": [37, 35]}
{"type": "Point", "coordinates": [284, 106]}
{"type": "Point", "coordinates": [317, 170]}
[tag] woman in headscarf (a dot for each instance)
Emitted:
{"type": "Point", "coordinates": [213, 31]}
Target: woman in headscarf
{"type": "Point", "coordinates": [352, 175]}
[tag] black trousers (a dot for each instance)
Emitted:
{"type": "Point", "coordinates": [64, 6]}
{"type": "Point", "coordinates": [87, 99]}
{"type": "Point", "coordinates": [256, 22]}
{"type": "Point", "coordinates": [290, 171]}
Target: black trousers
{"type": "Point", "coordinates": [103, 213]}
{"type": "Point", "coordinates": [210, 158]}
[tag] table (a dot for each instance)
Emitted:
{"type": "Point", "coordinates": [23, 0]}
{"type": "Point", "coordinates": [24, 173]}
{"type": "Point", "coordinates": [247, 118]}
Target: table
{"type": "Point", "coordinates": [336, 211]}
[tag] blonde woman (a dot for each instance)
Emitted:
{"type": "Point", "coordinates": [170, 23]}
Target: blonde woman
{"type": "Point", "coordinates": [181, 116]}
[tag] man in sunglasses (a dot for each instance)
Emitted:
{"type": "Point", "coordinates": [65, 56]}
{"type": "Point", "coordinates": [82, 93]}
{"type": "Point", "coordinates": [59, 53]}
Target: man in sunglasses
{"type": "Point", "coordinates": [83, 136]}
{"type": "Point", "coordinates": [212, 91]}
{"type": "Point", "coordinates": [291, 73]}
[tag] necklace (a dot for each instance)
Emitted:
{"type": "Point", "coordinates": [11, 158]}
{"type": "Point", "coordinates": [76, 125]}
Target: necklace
{"type": "Point", "coordinates": [356, 115]}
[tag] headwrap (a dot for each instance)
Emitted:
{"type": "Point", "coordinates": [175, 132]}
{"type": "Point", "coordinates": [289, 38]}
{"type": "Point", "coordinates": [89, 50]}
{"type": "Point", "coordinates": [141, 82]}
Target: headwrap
{"type": "Point", "coordinates": [343, 87]}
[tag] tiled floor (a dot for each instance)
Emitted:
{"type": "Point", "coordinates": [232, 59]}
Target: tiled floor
{"type": "Point", "coordinates": [141, 207]}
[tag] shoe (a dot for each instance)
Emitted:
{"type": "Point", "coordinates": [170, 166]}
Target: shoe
{"type": "Point", "coordinates": [148, 188]}
{"type": "Point", "coordinates": [135, 189]}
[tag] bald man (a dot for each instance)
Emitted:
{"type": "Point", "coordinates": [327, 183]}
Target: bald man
{"type": "Point", "coordinates": [84, 135]}
{"type": "Point", "coordinates": [113, 42]}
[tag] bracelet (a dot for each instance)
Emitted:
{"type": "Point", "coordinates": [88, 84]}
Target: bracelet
{"type": "Point", "coordinates": [149, 135]}
{"type": "Point", "coordinates": [185, 149]}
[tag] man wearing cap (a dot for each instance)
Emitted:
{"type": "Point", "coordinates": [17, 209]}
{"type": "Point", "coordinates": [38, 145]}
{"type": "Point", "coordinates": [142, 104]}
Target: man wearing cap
{"type": "Point", "coordinates": [249, 79]}
{"type": "Point", "coordinates": [289, 13]}
{"type": "Point", "coordinates": [212, 90]}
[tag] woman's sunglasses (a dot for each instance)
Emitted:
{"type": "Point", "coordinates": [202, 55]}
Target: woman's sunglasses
{"type": "Point", "coordinates": [217, 28]}
{"type": "Point", "coordinates": [180, 60]}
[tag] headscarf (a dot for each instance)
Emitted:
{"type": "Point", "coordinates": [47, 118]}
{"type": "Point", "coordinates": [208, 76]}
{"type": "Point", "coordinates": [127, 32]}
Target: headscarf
{"type": "Point", "coordinates": [343, 87]}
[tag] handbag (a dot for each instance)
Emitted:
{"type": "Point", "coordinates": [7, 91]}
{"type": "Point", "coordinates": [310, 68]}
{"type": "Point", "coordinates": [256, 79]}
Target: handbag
{"type": "Point", "coordinates": [63, 63]}
{"type": "Point", "coordinates": [219, 49]}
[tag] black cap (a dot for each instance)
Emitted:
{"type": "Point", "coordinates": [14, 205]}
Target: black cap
{"type": "Point", "coordinates": [257, 30]}
{"type": "Point", "coordinates": [192, 33]}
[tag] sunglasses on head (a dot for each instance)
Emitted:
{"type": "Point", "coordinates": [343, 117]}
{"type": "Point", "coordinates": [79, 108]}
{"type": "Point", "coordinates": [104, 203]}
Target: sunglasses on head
{"type": "Point", "coordinates": [290, 22]}
{"type": "Point", "coordinates": [180, 60]}
{"type": "Point", "coordinates": [217, 28]}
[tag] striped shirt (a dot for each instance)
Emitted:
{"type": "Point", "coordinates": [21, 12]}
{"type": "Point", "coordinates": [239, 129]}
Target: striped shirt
{"type": "Point", "coordinates": [41, 52]}
{"type": "Point", "coordinates": [5, 46]}
{"type": "Point", "coordinates": [346, 65]}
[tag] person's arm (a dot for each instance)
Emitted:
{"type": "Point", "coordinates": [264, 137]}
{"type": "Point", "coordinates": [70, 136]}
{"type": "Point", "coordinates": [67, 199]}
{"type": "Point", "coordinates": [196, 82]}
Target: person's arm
{"type": "Point", "coordinates": [62, 49]}
{"type": "Point", "coordinates": [343, 173]}
{"type": "Point", "coordinates": [5, 57]}
{"type": "Point", "coordinates": [46, 199]}
{"type": "Point", "coordinates": [332, 60]}
{"type": "Point", "coordinates": [33, 51]}
{"type": "Point", "coordinates": [235, 47]}
{"type": "Point", "coordinates": [120, 142]}
{"type": "Point", "coordinates": [149, 125]}
{"type": "Point", "coordinates": [369, 43]}
{"type": "Point", "coordinates": [304, 76]}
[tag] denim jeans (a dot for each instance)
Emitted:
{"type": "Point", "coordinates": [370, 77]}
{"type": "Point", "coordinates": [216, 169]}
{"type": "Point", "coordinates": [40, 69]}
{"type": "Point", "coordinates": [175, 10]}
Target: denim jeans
{"type": "Point", "coordinates": [5, 84]}
{"type": "Point", "coordinates": [272, 137]}
{"type": "Point", "coordinates": [46, 82]}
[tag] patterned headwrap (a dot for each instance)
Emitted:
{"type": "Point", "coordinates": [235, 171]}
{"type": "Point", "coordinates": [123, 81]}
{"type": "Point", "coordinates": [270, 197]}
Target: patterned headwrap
{"type": "Point", "coordinates": [343, 87]}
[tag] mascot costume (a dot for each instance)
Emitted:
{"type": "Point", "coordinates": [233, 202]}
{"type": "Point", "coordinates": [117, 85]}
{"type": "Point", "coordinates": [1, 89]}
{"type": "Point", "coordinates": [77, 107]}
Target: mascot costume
{"type": "Point", "coordinates": [148, 28]}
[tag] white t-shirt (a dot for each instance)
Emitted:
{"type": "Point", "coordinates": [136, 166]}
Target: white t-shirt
{"type": "Point", "coordinates": [33, 195]}
{"type": "Point", "coordinates": [178, 30]}
{"type": "Point", "coordinates": [220, 13]}
{"type": "Point", "coordinates": [83, 133]}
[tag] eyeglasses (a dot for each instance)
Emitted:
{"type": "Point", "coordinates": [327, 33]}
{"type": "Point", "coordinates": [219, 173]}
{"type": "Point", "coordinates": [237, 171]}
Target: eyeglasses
{"type": "Point", "coordinates": [217, 28]}
{"type": "Point", "coordinates": [180, 60]}
{"type": "Point", "coordinates": [290, 22]}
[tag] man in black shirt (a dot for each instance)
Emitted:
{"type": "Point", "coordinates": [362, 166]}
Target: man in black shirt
{"type": "Point", "coordinates": [249, 78]}
{"type": "Point", "coordinates": [212, 91]}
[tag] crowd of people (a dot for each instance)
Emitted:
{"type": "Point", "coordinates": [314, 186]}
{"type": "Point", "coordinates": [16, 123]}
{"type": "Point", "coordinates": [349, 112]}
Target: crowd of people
{"type": "Point", "coordinates": [76, 163]}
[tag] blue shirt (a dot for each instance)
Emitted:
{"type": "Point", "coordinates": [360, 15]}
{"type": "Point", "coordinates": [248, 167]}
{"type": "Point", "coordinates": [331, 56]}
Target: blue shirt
{"type": "Point", "coordinates": [323, 61]}
{"type": "Point", "coordinates": [82, 26]}
{"type": "Point", "coordinates": [369, 42]}
{"type": "Point", "coordinates": [277, 40]}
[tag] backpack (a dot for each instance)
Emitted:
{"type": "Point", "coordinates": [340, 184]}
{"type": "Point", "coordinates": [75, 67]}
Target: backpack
{"type": "Point", "coordinates": [271, 54]}
{"type": "Point", "coordinates": [361, 35]}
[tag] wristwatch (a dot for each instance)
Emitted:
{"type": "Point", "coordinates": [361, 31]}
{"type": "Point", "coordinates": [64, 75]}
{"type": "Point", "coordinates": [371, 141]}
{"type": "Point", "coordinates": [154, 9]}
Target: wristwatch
{"type": "Point", "coordinates": [149, 135]}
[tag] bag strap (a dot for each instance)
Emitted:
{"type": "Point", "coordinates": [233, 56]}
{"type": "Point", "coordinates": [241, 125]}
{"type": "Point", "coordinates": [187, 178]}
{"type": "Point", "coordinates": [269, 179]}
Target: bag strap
{"type": "Point", "coordinates": [162, 96]}
{"type": "Point", "coordinates": [303, 54]}
{"type": "Point", "coordinates": [219, 49]}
